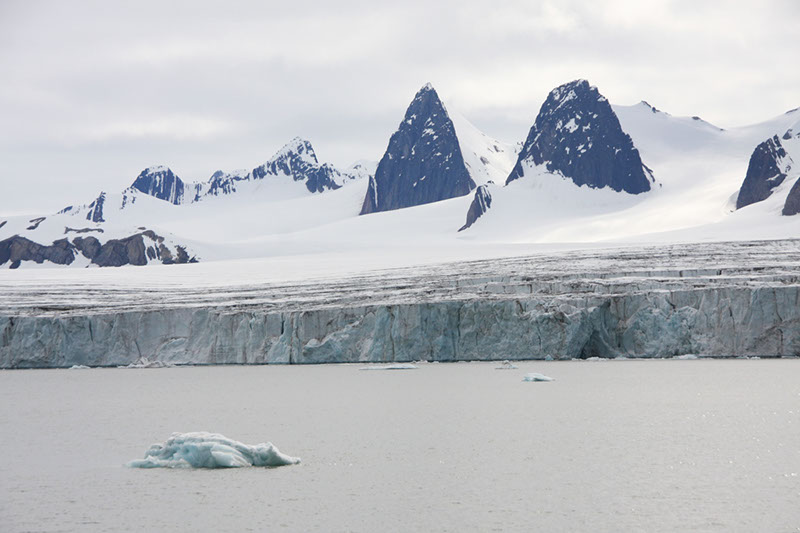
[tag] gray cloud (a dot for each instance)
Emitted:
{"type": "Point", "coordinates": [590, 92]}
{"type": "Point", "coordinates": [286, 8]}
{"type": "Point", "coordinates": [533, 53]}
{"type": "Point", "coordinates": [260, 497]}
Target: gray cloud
{"type": "Point", "coordinates": [95, 91]}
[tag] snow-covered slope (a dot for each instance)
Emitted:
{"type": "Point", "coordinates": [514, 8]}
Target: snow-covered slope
{"type": "Point", "coordinates": [486, 159]}
{"type": "Point", "coordinates": [189, 221]}
{"type": "Point", "coordinates": [698, 166]}
{"type": "Point", "coordinates": [294, 206]}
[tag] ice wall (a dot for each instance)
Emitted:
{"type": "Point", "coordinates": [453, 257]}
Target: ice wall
{"type": "Point", "coordinates": [713, 320]}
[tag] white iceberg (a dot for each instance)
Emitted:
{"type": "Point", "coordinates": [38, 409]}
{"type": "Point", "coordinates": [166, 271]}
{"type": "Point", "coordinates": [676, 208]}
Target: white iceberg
{"type": "Point", "coordinates": [687, 357]}
{"type": "Point", "coordinates": [396, 366]}
{"type": "Point", "coordinates": [535, 376]}
{"type": "Point", "coordinates": [210, 450]}
{"type": "Point", "coordinates": [78, 367]}
{"type": "Point", "coordinates": [506, 365]}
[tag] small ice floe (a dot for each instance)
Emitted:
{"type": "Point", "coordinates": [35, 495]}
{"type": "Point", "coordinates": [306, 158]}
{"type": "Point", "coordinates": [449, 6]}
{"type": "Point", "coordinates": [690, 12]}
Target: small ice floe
{"type": "Point", "coordinates": [210, 450]}
{"type": "Point", "coordinates": [144, 362]}
{"type": "Point", "coordinates": [687, 357]}
{"type": "Point", "coordinates": [395, 366]}
{"type": "Point", "coordinates": [78, 367]}
{"type": "Point", "coordinates": [535, 376]}
{"type": "Point", "coordinates": [506, 365]}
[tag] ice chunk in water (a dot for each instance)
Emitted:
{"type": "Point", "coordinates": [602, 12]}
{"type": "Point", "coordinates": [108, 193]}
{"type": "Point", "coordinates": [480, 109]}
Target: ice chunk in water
{"type": "Point", "coordinates": [210, 450]}
{"type": "Point", "coordinates": [535, 376]}
{"type": "Point", "coordinates": [506, 365]}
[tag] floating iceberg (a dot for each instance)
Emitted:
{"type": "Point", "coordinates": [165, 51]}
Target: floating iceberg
{"type": "Point", "coordinates": [78, 367]}
{"type": "Point", "coordinates": [506, 365]}
{"type": "Point", "coordinates": [535, 376]}
{"type": "Point", "coordinates": [687, 357]}
{"type": "Point", "coordinates": [210, 450]}
{"type": "Point", "coordinates": [396, 366]}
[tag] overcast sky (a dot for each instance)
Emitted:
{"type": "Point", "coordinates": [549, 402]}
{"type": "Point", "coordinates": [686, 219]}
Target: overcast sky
{"type": "Point", "coordinates": [93, 92]}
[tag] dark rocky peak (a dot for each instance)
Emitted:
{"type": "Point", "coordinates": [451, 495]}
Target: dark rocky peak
{"type": "Point", "coordinates": [95, 213]}
{"type": "Point", "coordinates": [481, 203]}
{"type": "Point", "coordinates": [768, 167]}
{"type": "Point", "coordinates": [423, 162]}
{"type": "Point", "coordinates": [220, 183]}
{"type": "Point", "coordinates": [295, 157]}
{"type": "Point", "coordinates": [299, 161]}
{"type": "Point", "coordinates": [578, 135]}
{"type": "Point", "coordinates": [160, 183]}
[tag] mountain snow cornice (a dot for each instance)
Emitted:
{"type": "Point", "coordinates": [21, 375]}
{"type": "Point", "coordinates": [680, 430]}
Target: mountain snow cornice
{"type": "Point", "coordinates": [423, 162]}
{"type": "Point", "coordinates": [578, 135]}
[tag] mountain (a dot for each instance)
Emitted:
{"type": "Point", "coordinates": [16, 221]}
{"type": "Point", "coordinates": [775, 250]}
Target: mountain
{"type": "Point", "coordinates": [159, 182]}
{"type": "Point", "coordinates": [770, 165]}
{"type": "Point", "coordinates": [428, 160]}
{"type": "Point", "coordinates": [138, 249]}
{"type": "Point", "coordinates": [115, 229]}
{"type": "Point", "coordinates": [577, 134]}
{"type": "Point", "coordinates": [294, 206]}
{"type": "Point", "coordinates": [481, 202]}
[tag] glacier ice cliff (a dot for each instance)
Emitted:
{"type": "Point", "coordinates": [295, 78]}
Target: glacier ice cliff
{"type": "Point", "coordinates": [729, 299]}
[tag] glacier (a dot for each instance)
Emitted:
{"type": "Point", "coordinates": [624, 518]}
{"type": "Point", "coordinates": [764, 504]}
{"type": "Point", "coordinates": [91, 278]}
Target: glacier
{"type": "Point", "coordinates": [201, 449]}
{"type": "Point", "coordinates": [715, 299]}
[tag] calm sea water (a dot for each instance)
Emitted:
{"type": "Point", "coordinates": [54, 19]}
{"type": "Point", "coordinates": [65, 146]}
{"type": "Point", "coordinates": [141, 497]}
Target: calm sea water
{"type": "Point", "coordinates": [609, 446]}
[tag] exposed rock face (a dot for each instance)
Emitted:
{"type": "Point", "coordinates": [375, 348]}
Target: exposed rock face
{"type": "Point", "coordinates": [132, 250]}
{"type": "Point", "coordinates": [792, 205]}
{"type": "Point", "coordinates": [35, 222]}
{"type": "Point", "coordinates": [481, 203]}
{"type": "Point", "coordinates": [95, 213]}
{"type": "Point", "coordinates": [423, 162]}
{"type": "Point", "coordinates": [160, 183]}
{"type": "Point", "coordinates": [88, 246]}
{"type": "Point", "coordinates": [578, 135]}
{"type": "Point", "coordinates": [220, 183]}
{"type": "Point", "coordinates": [118, 252]}
{"type": "Point", "coordinates": [767, 169]}
{"type": "Point", "coordinates": [298, 160]}
{"type": "Point", "coordinates": [67, 229]}
{"type": "Point", "coordinates": [17, 249]}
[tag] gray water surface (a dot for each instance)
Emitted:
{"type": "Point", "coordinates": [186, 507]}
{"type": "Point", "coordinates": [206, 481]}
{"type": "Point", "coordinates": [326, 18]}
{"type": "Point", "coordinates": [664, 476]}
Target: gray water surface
{"type": "Point", "coordinates": [609, 446]}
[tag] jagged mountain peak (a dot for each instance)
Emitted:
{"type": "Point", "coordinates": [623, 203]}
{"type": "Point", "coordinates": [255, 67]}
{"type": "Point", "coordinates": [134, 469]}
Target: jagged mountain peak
{"type": "Point", "coordinates": [578, 135]}
{"type": "Point", "coordinates": [767, 169]}
{"type": "Point", "coordinates": [426, 104]}
{"type": "Point", "coordinates": [296, 148]}
{"type": "Point", "coordinates": [160, 182]}
{"type": "Point", "coordinates": [426, 91]}
{"type": "Point", "coordinates": [423, 162]}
